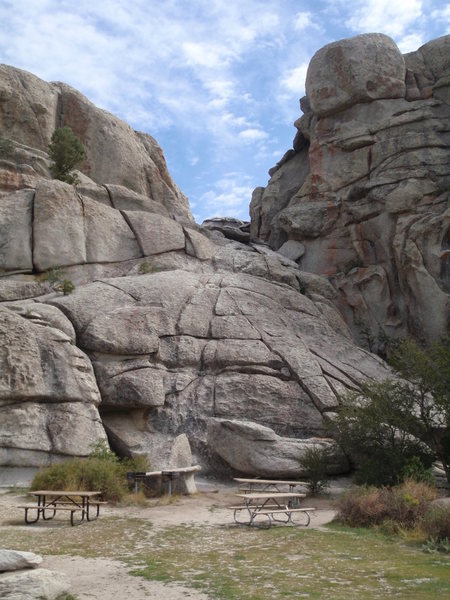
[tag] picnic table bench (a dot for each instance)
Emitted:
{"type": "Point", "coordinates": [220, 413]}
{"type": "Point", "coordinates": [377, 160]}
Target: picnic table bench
{"type": "Point", "coordinates": [49, 502]}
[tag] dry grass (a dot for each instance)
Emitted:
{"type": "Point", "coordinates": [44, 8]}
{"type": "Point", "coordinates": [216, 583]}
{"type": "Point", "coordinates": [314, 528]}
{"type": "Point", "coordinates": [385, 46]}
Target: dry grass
{"type": "Point", "coordinates": [231, 562]}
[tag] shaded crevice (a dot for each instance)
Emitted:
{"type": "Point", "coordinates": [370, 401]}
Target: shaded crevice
{"type": "Point", "coordinates": [296, 378]}
{"type": "Point", "coordinates": [136, 235]}
{"type": "Point", "coordinates": [85, 225]}
{"type": "Point", "coordinates": [118, 288]}
{"type": "Point", "coordinates": [131, 370]}
{"type": "Point", "coordinates": [59, 116]}
{"type": "Point", "coordinates": [33, 266]}
{"type": "Point", "coordinates": [110, 196]}
{"type": "Point", "coordinates": [387, 161]}
{"type": "Point", "coordinates": [333, 375]}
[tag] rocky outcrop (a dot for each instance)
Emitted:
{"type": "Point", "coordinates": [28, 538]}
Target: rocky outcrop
{"type": "Point", "coordinates": [13, 560]}
{"type": "Point", "coordinates": [363, 196]}
{"type": "Point", "coordinates": [229, 227]}
{"type": "Point", "coordinates": [177, 342]}
{"type": "Point", "coordinates": [31, 109]}
{"type": "Point", "coordinates": [175, 332]}
{"type": "Point", "coordinates": [41, 584]}
{"type": "Point", "coordinates": [18, 582]}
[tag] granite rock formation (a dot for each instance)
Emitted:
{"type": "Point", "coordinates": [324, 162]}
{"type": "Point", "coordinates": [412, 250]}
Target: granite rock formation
{"type": "Point", "coordinates": [363, 196]}
{"type": "Point", "coordinates": [175, 339]}
{"type": "Point", "coordinates": [31, 109]}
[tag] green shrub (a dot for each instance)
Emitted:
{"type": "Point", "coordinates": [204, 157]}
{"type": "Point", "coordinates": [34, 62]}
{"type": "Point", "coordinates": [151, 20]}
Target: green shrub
{"type": "Point", "coordinates": [102, 471]}
{"type": "Point", "coordinates": [436, 523]}
{"type": "Point", "coordinates": [144, 267]}
{"type": "Point", "coordinates": [6, 147]}
{"type": "Point", "coordinates": [415, 469]}
{"type": "Point", "coordinates": [314, 463]}
{"type": "Point", "coordinates": [67, 152]}
{"type": "Point", "coordinates": [402, 506]}
{"type": "Point", "coordinates": [432, 545]}
{"type": "Point", "coordinates": [65, 286]}
{"type": "Point", "coordinates": [53, 275]}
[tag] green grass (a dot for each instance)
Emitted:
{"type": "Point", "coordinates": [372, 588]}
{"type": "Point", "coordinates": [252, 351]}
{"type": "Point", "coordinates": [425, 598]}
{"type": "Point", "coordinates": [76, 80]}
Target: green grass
{"type": "Point", "coordinates": [231, 562]}
{"type": "Point", "coordinates": [283, 562]}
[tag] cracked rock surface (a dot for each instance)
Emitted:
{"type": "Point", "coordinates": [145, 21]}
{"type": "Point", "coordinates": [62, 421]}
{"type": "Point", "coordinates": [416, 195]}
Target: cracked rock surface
{"type": "Point", "coordinates": [363, 197]}
{"type": "Point", "coordinates": [185, 345]}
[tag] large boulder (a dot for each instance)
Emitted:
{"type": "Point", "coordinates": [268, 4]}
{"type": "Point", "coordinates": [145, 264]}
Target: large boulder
{"type": "Point", "coordinates": [252, 449]}
{"type": "Point", "coordinates": [13, 560]}
{"type": "Point", "coordinates": [40, 584]}
{"type": "Point", "coordinates": [360, 69]}
{"type": "Point", "coordinates": [363, 197]}
{"type": "Point", "coordinates": [48, 392]}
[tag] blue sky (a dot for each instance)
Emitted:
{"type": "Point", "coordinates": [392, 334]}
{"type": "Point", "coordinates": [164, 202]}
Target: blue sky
{"type": "Point", "coordinates": [216, 82]}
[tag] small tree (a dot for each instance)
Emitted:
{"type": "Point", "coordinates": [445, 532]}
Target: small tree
{"type": "Point", "coordinates": [428, 371]}
{"type": "Point", "coordinates": [390, 426]}
{"type": "Point", "coordinates": [372, 427]}
{"type": "Point", "coordinates": [67, 152]}
{"type": "Point", "coordinates": [314, 462]}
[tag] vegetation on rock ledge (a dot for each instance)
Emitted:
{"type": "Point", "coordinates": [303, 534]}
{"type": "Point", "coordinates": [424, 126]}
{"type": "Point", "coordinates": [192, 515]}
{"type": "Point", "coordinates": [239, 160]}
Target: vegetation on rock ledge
{"type": "Point", "coordinates": [67, 152]}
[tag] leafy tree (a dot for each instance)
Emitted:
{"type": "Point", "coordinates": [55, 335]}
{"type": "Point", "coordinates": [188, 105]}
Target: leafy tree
{"type": "Point", "coordinates": [67, 152]}
{"type": "Point", "coordinates": [428, 371]}
{"type": "Point", "coordinates": [399, 423]}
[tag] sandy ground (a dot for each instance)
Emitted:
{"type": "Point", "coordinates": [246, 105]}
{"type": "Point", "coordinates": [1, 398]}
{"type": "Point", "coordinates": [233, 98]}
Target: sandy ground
{"type": "Point", "coordinates": [105, 579]}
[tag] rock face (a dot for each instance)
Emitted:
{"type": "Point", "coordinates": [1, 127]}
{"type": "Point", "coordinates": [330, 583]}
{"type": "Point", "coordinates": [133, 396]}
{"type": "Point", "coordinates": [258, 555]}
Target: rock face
{"type": "Point", "coordinates": [17, 582]}
{"type": "Point", "coordinates": [177, 342]}
{"type": "Point", "coordinates": [363, 197]}
{"type": "Point", "coordinates": [30, 109]}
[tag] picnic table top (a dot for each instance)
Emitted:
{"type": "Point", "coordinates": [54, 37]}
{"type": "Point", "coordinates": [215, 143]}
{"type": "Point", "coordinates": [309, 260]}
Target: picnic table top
{"type": "Point", "coordinates": [166, 471]}
{"type": "Point", "coordinates": [269, 494]}
{"type": "Point", "coordinates": [87, 494]}
{"type": "Point", "coordinates": [269, 481]}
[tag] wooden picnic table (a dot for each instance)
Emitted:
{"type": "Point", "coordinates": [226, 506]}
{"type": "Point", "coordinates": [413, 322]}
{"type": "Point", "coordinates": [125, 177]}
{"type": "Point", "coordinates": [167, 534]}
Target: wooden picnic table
{"type": "Point", "coordinates": [266, 484]}
{"type": "Point", "coordinates": [49, 502]}
{"type": "Point", "coordinates": [270, 505]}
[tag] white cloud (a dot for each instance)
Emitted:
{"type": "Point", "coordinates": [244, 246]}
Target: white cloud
{"type": "Point", "coordinates": [252, 135]}
{"type": "Point", "coordinates": [386, 16]}
{"type": "Point", "coordinates": [410, 43]}
{"type": "Point", "coordinates": [293, 81]}
{"type": "Point", "coordinates": [230, 195]}
{"type": "Point", "coordinates": [302, 20]}
{"type": "Point", "coordinates": [223, 76]}
{"type": "Point", "coordinates": [443, 14]}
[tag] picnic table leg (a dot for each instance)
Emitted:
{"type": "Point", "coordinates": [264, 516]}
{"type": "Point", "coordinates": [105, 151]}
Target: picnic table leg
{"type": "Point", "coordinates": [38, 514]}
{"type": "Point", "coordinates": [89, 518]}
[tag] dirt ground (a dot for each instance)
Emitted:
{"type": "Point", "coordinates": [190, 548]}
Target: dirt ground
{"type": "Point", "coordinates": [106, 579]}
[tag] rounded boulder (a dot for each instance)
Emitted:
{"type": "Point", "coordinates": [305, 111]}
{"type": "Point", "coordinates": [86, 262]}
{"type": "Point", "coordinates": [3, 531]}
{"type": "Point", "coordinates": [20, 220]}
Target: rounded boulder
{"type": "Point", "coordinates": [359, 69]}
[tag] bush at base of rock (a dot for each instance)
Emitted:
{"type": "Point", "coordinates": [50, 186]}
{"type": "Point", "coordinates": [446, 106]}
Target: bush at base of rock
{"type": "Point", "coordinates": [402, 506]}
{"type": "Point", "coordinates": [102, 471]}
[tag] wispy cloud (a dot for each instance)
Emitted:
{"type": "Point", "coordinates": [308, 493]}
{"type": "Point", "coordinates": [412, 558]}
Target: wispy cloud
{"type": "Point", "coordinates": [392, 18]}
{"type": "Point", "coordinates": [230, 195]}
{"type": "Point", "coordinates": [216, 82]}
